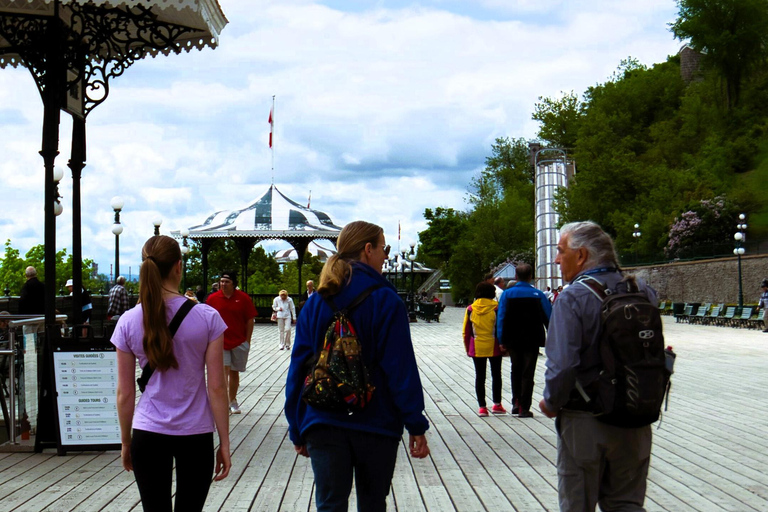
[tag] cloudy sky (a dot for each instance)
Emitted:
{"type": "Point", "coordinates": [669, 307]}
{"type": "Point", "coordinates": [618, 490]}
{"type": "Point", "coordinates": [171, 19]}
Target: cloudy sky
{"type": "Point", "coordinates": [383, 108]}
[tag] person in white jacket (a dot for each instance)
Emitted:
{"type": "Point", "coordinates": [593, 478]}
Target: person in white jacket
{"type": "Point", "coordinates": [286, 316]}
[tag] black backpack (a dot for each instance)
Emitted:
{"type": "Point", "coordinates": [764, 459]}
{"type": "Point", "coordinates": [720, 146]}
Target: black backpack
{"type": "Point", "coordinates": [636, 368]}
{"type": "Point", "coordinates": [337, 379]}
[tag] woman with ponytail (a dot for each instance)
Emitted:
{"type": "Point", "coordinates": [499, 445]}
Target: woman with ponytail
{"type": "Point", "coordinates": [178, 409]}
{"type": "Point", "coordinates": [364, 443]}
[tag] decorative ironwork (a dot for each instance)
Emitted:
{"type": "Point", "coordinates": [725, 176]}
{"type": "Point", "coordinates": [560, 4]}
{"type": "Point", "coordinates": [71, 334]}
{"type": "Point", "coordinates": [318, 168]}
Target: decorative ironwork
{"type": "Point", "coordinates": [97, 44]}
{"type": "Point", "coordinates": [111, 40]}
{"type": "Point", "coordinates": [27, 35]}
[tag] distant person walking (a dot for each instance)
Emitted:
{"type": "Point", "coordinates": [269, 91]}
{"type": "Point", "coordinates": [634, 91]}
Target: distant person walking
{"type": "Point", "coordinates": [523, 315]}
{"type": "Point", "coordinates": [237, 310]}
{"type": "Point", "coordinates": [764, 303]}
{"type": "Point", "coordinates": [283, 306]}
{"type": "Point", "coordinates": [498, 284]}
{"type": "Point", "coordinates": [32, 297]}
{"type": "Point", "coordinates": [118, 299]}
{"type": "Point", "coordinates": [175, 417]}
{"type": "Point", "coordinates": [480, 344]}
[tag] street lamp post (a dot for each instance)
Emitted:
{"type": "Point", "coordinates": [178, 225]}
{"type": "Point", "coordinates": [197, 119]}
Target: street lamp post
{"type": "Point", "coordinates": [393, 263]}
{"type": "Point", "coordinates": [636, 235]}
{"type": "Point", "coordinates": [157, 222]}
{"type": "Point", "coordinates": [404, 258]}
{"type": "Point", "coordinates": [117, 229]}
{"type": "Point", "coordinates": [412, 257]}
{"type": "Point", "coordinates": [740, 237]}
{"type": "Point", "coordinates": [184, 252]}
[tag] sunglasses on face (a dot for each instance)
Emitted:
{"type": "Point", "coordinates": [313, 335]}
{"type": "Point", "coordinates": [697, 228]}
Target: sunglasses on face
{"type": "Point", "coordinates": [387, 249]}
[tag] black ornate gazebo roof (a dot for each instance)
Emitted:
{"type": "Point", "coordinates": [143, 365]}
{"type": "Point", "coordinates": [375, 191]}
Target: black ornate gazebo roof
{"type": "Point", "coordinates": [273, 216]}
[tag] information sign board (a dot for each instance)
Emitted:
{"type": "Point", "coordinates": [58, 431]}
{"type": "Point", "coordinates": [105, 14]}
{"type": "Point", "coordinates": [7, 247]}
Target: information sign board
{"type": "Point", "coordinates": [86, 397]}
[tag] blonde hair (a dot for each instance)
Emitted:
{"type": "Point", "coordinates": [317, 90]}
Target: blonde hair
{"type": "Point", "coordinates": [352, 241]}
{"type": "Point", "coordinates": [283, 292]}
{"type": "Point", "coordinates": [159, 255]}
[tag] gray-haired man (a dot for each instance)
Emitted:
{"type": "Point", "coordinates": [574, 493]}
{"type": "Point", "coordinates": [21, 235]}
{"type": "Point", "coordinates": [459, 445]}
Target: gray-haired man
{"type": "Point", "coordinates": [596, 462]}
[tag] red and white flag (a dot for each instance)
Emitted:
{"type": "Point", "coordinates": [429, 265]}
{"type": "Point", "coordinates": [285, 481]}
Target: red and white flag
{"type": "Point", "coordinates": [398, 231]}
{"type": "Point", "coordinates": [309, 199]}
{"type": "Point", "coordinates": [271, 127]}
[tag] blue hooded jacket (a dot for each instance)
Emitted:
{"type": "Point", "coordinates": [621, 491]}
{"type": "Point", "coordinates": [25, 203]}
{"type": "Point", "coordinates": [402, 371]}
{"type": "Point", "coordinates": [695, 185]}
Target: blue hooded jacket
{"type": "Point", "coordinates": [381, 322]}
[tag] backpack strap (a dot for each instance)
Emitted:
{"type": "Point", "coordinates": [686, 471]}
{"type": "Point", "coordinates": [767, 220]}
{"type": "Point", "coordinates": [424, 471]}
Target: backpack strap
{"type": "Point", "coordinates": [595, 286]}
{"type": "Point", "coordinates": [354, 303]}
{"type": "Point", "coordinates": [147, 370]}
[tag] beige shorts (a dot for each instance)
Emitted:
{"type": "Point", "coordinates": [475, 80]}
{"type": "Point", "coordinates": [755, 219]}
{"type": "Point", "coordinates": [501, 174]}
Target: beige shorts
{"type": "Point", "coordinates": [237, 357]}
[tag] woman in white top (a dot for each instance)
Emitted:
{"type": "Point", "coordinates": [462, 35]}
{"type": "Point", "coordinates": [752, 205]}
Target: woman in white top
{"type": "Point", "coordinates": [286, 316]}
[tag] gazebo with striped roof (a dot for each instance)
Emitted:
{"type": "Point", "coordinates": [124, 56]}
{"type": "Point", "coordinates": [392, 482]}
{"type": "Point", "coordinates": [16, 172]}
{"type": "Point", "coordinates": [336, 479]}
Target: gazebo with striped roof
{"type": "Point", "coordinates": [273, 216]}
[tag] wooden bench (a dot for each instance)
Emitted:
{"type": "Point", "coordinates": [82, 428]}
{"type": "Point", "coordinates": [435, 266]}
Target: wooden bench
{"type": "Point", "coordinates": [757, 322]}
{"type": "Point", "coordinates": [686, 312]}
{"type": "Point", "coordinates": [727, 318]}
{"type": "Point", "coordinates": [430, 311]}
{"type": "Point", "coordinates": [743, 320]}
{"type": "Point", "coordinates": [712, 316]}
{"type": "Point", "coordinates": [700, 314]}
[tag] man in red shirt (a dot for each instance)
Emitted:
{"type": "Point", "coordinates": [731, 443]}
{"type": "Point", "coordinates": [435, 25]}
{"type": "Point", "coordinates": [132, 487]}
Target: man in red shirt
{"type": "Point", "coordinates": [237, 311]}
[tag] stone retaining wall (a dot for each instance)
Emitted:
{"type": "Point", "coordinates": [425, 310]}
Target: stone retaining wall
{"type": "Point", "coordinates": [707, 281]}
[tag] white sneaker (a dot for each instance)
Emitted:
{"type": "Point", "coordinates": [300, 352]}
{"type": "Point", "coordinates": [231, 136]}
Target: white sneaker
{"type": "Point", "coordinates": [282, 347]}
{"type": "Point", "coordinates": [234, 408]}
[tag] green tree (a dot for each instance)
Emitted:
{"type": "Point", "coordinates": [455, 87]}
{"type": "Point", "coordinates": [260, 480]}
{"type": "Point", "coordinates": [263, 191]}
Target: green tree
{"type": "Point", "coordinates": [437, 243]}
{"type": "Point", "coordinates": [732, 34]}
{"type": "Point", "coordinates": [11, 269]}
{"type": "Point", "coordinates": [500, 222]}
{"type": "Point", "coordinates": [559, 118]}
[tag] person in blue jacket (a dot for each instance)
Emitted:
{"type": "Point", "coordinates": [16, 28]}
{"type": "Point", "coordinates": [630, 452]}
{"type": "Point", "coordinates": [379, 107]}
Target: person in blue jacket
{"type": "Point", "coordinates": [363, 444]}
{"type": "Point", "coordinates": [523, 315]}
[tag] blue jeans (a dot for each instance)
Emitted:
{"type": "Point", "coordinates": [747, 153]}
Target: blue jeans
{"type": "Point", "coordinates": [336, 453]}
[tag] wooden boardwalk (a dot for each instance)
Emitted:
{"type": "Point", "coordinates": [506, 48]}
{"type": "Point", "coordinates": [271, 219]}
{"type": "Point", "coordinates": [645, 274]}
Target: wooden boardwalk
{"type": "Point", "coordinates": [709, 454]}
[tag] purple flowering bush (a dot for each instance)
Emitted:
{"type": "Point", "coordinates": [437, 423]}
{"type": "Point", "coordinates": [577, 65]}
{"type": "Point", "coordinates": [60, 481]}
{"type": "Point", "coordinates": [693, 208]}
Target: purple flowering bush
{"type": "Point", "coordinates": [710, 221]}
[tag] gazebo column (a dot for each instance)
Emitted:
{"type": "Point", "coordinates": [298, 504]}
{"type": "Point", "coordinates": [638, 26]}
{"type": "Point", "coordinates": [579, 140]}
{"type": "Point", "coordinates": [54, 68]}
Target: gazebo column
{"type": "Point", "coordinates": [244, 247]}
{"type": "Point", "coordinates": [205, 247]}
{"type": "Point", "coordinates": [300, 245]}
{"type": "Point", "coordinates": [76, 164]}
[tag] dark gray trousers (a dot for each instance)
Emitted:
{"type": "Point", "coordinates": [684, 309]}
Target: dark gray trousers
{"type": "Point", "coordinates": [601, 464]}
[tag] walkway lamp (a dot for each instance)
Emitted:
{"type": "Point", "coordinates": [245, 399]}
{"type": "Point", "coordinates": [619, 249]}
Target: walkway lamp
{"type": "Point", "coordinates": [636, 235]}
{"type": "Point", "coordinates": [740, 237]}
{"type": "Point", "coordinates": [58, 174]}
{"type": "Point", "coordinates": [403, 259]}
{"type": "Point", "coordinates": [412, 258]}
{"type": "Point", "coordinates": [184, 252]}
{"type": "Point", "coordinates": [157, 222]}
{"type": "Point", "coordinates": [117, 228]}
{"type": "Point", "coordinates": [393, 265]}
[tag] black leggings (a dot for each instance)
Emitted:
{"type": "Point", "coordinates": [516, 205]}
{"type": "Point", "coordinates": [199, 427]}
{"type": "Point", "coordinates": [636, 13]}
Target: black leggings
{"type": "Point", "coordinates": [480, 367]}
{"type": "Point", "coordinates": [152, 455]}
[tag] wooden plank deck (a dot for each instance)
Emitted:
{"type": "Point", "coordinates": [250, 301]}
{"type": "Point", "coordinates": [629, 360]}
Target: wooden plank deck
{"type": "Point", "coordinates": [709, 452]}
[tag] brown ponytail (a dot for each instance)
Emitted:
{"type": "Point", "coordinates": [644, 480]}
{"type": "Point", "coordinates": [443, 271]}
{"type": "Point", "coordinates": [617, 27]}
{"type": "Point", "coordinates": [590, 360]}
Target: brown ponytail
{"type": "Point", "coordinates": [159, 255]}
{"type": "Point", "coordinates": [351, 243]}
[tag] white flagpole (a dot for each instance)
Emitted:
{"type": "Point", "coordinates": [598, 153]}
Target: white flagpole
{"type": "Point", "coordinates": [272, 138]}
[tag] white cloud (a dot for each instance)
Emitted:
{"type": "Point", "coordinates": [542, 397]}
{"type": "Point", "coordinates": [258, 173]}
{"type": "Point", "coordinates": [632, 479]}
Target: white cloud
{"type": "Point", "coordinates": [381, 112]}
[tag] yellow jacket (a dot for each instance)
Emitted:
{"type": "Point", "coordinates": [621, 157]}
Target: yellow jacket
{"type": "Point", "coordinates": [479, 329]}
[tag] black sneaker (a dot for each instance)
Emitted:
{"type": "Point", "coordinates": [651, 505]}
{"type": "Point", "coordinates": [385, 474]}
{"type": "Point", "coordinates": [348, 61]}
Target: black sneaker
{"type": "Point", "coordinates": [515, 411]}
{"type": "Point", "coordinates": [525, 414]}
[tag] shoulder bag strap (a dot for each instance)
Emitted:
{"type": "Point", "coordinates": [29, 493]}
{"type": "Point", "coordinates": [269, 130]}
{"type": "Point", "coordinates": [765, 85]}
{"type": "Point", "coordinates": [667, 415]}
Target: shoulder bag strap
{"type": "Point", "coordinates": [147, 370]}
{"type": "Point", "coordinates": [355, 302]}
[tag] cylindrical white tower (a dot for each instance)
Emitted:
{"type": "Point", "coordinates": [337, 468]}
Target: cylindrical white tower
{"type": "Point", "coordinates": [552, 170]}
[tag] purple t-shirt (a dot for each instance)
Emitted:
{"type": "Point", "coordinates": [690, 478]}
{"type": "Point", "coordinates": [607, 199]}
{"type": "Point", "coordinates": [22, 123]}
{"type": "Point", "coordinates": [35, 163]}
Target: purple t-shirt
{"type": "Point", "coordinates": [175, 401]}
